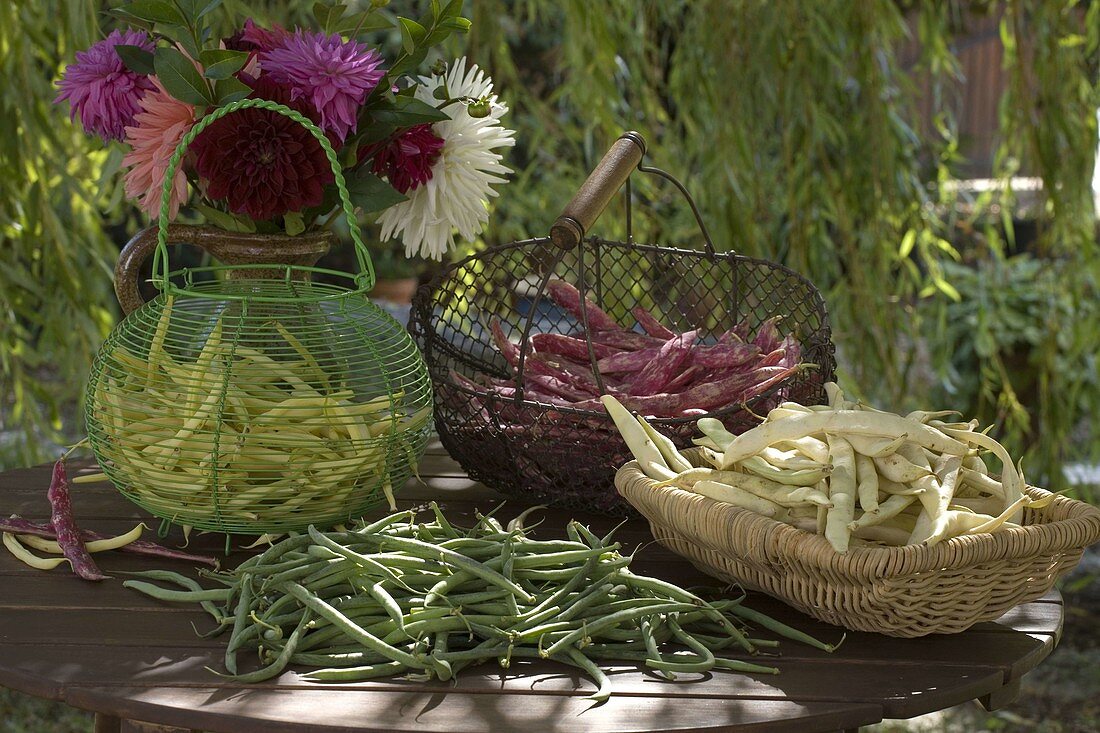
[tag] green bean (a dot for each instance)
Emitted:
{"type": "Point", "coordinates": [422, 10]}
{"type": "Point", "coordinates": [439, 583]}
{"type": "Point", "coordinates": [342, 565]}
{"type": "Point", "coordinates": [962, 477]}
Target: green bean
{"type": "Point", "coordinates": [349, 627]}
{"type": "Point", "coordinates": [441, 667]}
{"type": "Point", "coordinates": [268, 556]}
{"type": "Point", "coordinates": [706, 657]}
{"type": "Point", "coordinates": [440, 589]}
{"type": "Point", "coordinates": [595, 594]}
{"type": "Point", "coordinates": [441, 520]}
{"type": "Point", "coordinates": [427, 600]}
{"type": "Point", "coordinates": [189, 584]}
{"type": "Point", "coordinates": [389, 605]}
{"type": "Point", "coordinates": [650, 645]}
{"type": "Point", "coordinates": [244, 602]}
{"type": "Point", "coordinates": [534, 546]}
{"type": "Point", "coordinates": [481, 570]}
{"type": "Point", "coordinates": [738, 666]}
{"type": "Point", "coordinates": [355, 674]}
{"type": "Point", "coordinates": [275, 668]}
{"type": "Point", "coordinates": [344, 659]}
{"type": "Point", "coordinates": [613, 620]}
{"type": "Point", "coordinates": [616, 606]}
{"type": "Point", "coordinates": [431, 626]}
{"type": "Point", "coordinates": [525, 562]}
{"type": "Point", "coordinates": [659, 586]}
{"type": "Point", "coordinates": [507, 566]}
{"type": "Point", "coordinates": [359, 559]}
{"type": "Point", "coordinates": [166, 594]}
{"type": "Point", "coordinates": [603, 684]}
{"type": "Point", "coordinates": [781, 628]}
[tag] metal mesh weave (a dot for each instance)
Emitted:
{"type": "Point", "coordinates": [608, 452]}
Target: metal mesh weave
{"type": "Point", "coordinates": [568, 457]}
{"type": "Point", "coordinates": [258, 405]}
{"type": "Point", "coordinates": [264, 402]}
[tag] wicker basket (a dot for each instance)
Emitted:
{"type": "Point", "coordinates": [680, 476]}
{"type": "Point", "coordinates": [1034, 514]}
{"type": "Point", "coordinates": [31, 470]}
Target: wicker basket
{"type": "Point", "coordinates": [902, 591]}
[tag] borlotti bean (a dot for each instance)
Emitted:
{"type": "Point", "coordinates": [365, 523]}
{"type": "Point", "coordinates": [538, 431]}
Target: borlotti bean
{"type": "Point", "coordinates": [868, 476]}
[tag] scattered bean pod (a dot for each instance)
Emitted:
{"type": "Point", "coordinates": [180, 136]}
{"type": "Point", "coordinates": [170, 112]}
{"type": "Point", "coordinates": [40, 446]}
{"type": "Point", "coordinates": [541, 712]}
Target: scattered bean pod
{"type": "Point", "coordinates": [426, 600]}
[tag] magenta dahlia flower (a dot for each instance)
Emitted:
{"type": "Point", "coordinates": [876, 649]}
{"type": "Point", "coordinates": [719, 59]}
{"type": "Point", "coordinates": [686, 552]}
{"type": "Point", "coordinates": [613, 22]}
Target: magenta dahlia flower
{"type": "Point", "coordinates": [254, 38]}
{"type": "Point", "coordinates": [102, 90]}
{"type": "Point", "coordinates": [407, 160]}
{"type": "Point", "coordinates": [333, 75]}
{"type": "Point", "coordinates": [262, 163]}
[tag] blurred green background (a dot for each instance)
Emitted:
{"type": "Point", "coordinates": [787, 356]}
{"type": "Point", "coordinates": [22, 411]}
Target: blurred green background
{"type": "Point", "coordinates": [930, 165]}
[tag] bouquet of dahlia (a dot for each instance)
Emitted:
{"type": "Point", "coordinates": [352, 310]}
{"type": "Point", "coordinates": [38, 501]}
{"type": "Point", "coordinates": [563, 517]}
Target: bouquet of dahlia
{"type": "Point", "coordinates": [419, 152]}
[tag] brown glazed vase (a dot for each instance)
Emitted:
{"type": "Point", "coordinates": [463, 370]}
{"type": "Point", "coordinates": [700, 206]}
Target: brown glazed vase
{"type": "Point", "coordinates": [229, 248]}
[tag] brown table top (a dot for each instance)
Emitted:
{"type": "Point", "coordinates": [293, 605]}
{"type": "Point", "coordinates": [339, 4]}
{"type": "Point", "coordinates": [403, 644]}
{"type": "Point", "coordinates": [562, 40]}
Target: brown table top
{"type": "Point", "coordinates": [104, 648]}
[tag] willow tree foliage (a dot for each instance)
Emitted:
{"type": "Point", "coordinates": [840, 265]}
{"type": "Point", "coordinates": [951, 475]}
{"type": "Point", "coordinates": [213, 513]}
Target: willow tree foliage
{"type": "Point", "coordinates": [57, 199]}
{"type": "Point", "coordinates": [794, 125]}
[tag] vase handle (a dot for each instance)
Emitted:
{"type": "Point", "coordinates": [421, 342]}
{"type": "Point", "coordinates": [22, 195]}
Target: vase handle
{"type": "Point", "coordinates": [134, 255]}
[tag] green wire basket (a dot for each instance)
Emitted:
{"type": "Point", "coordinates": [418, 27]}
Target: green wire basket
{"type": "Point", "coordinates": [258, 404]}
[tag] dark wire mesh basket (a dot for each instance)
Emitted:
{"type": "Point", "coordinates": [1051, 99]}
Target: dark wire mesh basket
{"type": "Point", "coordinates": [563, 451]}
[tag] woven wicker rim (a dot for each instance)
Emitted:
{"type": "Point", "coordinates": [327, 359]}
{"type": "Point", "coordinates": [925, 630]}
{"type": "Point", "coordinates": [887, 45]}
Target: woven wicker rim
{"type": "Point", "coordinates": [772, 539]}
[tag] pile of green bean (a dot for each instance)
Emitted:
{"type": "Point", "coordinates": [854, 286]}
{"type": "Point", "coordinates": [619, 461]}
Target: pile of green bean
{"type": "Point", "coordinates": [426, 599]}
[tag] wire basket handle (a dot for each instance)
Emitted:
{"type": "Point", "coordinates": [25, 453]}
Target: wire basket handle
{"type": "Point", "coordinates": [596, 192]}
{"type": "Point", "coordinates": [365, 278]}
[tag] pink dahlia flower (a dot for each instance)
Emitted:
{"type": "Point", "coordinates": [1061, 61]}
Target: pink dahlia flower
{"type": "Point", "coordinates": [101, 89]}
{"type": "Point", "coordinates": [407, 161]}
{"type": "Point", "coordinates": [333, 75]}
{"type": "Point", "coordinates": [153, 137]}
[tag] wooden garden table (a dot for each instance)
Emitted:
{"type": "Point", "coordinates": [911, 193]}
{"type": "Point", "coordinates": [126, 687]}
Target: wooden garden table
{"type": "Point", "coordinates": [104, 648]}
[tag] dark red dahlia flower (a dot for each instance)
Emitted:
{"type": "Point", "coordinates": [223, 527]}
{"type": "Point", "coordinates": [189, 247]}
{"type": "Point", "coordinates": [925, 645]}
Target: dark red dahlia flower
{"type": "Point", "coordinates": [407, 160]}
{"type": "Point", "coordinates": [262, 163]}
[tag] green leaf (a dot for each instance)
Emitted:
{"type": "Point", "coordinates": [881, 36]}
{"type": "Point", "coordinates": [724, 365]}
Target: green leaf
{"type": "Point", "coordinates": [136, 58]}
{"type": "Point", "coordinates": [131, 20]}
{"type": "Point", "coordinates": [946, 288]}
{"type": "Point", "coordinates": [328, 16]}
{"type": "Point", "coordinates": [412, 33]}
{"type": "Point", "coordinates": [183, 37]}
{"type": "Point", "coordinates": [230, 90]}
{"type": "Point", "coordinates": [222, 220]}
{"type": "Point", "coordinates": [180, 77]}
{"type": "Point", "coordinates": [211, 6]}
{"type": "Point", "coordinates": [407, 111]}
{"type": "Point", "coordinates": [370, 193]}
{"type": "Point", "coordinates": [453, 10]}
{"type": "Point", "coordinates": [155, 11]}
{"type": "Point", "coordinates": [364, 22]}
{"type": "Point", "coordinates": [222, 64]}
{"type": "Point", "coordinates": [907, 243]}
{"type": "Point", "coordinates": [461, 25]}
{"type": "Point", "coordinates": [196, 9]}
{"type": "Point", "coordinates": [294, 222]}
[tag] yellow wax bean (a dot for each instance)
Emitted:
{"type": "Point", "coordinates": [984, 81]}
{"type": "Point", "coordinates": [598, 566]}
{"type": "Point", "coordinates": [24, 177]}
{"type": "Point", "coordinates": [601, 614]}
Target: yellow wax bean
{"type": "Point", "coordinates": [738, 497]}
{"type": "Point", "coordinates": [842, 493]}
{"type": "Point", "coordinates": [841, 422]}
{"type": "Point", "coordinates": [28, 557]}
{"type": "Point", "coordinates": [110, 543]}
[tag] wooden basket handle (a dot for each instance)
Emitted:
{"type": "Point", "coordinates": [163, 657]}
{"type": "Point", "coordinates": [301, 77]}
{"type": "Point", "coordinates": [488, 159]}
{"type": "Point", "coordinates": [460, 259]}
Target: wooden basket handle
{"type": "Point", "coordinates": [597, 190]}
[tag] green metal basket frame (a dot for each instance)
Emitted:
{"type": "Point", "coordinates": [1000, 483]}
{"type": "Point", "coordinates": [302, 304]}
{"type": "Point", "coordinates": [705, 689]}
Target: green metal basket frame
{"type": "Point", "coordinates": [352, 360]}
